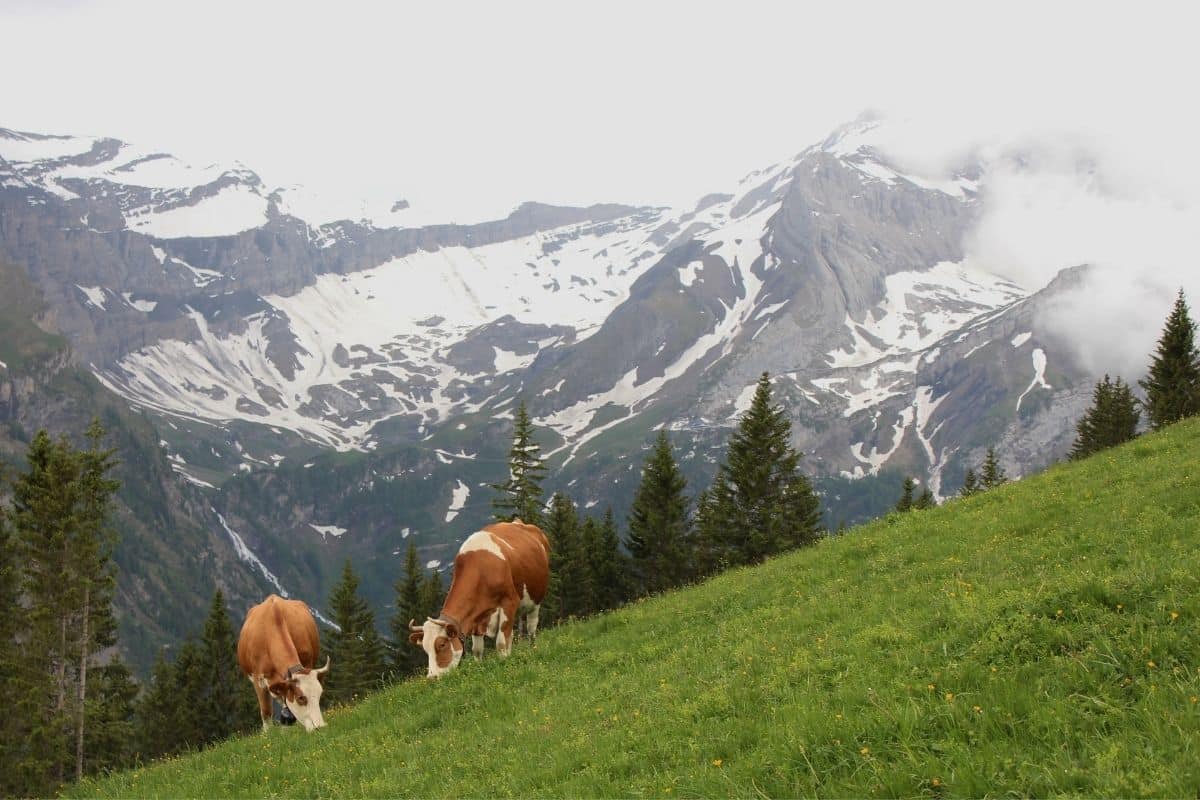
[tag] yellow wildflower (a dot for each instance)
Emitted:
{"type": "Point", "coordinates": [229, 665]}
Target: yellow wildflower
{"type": "Point", "coordinates": [977, 709]}
{"type": "Point", "coordinates": [1174, 616]}
{"type": "Point", "coordinates": [1151, 665]}
{"type": "Point", "coordinates": [865, 751]}
{"type": "Point", "coordinates": [718, 762]}
{"type": "Point", "coordinates": [949, 697]}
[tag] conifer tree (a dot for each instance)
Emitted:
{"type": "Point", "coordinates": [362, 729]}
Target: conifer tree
{"type": "Point", "coordinates": [992, 474]}
{"type": "Point", "coordinates": [970, 484]}
{"type": "Point", "coordinates": [659, 527]}
{"type": "Point", "coordinates": [409, 606]}
{"type": "Point", "coordinates": [111, 737]}
{"type": "Point", "coordinates": [760, 503]}
{"type": "Point", "coordinates": [521, 495]}
{"type": "Point", "coordinates": [924, 501]}
{"type": "Point", "coordinates": [433, 595]}
{"type": "Point", "coordinates": [224, 706]}
{"type": "Point", "coordinates": [905, 503]}
{"type": "Point", "coordinates": [356, 648]}
{"type": "Point", "coordinates": [606, 563]}
{"type": "Point", "coordinates": [90, 552]}
{"type": "Point", "coordinates": [1172, 385]}
{"type": "Point", "coordinates": [1111, 420]}
{"type": "Point", "coordinates": [570, 591]}
{"type": "Point", "coordinates": [156, 718]}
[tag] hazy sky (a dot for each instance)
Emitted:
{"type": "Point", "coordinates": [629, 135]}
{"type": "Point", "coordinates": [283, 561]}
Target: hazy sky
{"type": "Point", "coordinates": [469, 108]}
{"type": "Point", "coordinates": [467, 105]}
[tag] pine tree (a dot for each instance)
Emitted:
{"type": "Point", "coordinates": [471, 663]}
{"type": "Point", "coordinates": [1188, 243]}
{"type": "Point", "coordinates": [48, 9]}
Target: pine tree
{"type": "Point", "coordinates": [659, 527]}
{"type": "Point", "coordinates": [433, 595]}
{"type": "Point", "coordinates": [606, 563]}
{"type": "Point", "coordinates": [970, 484]}
{"type": "Point", "coordinates": [155, 713]}
{"type": "Point", "coordinates": [924, 501]}
{"type": "Point", "coordinates": [44, 500]}
{"type": "Point", "coordinates": [760, 503]}
{"type": "Point", "coordinates": [90, 553]}
{"type": "Point", "coordinates": [521, 495]}
{"type": "Point", "coordinates": [905, 503]}
{"type": "Point", "coordinates": [570, 591]}
{"type": "Point", "coordinates": [992, 474]}
{"type": "Point", "coordinates": [111, 737]}
{"type": "Point", "coordinates": [11, 727]}
{"type": "Point", "coordinates": [409, 606]}
{"type": "Point", "coordinates": [1172, 385]}
{"type": "Point", "coordinates": [225, 705]}
{"type": "Point", "coordinates": [356, 648]}
{"type": "Point", "coordinates": [1111, 420]}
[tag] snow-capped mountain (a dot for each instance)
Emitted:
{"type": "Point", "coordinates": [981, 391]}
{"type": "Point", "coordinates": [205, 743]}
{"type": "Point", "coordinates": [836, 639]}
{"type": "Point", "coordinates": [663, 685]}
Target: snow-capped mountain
{"type": "Point", "coordinates": [262, 339]}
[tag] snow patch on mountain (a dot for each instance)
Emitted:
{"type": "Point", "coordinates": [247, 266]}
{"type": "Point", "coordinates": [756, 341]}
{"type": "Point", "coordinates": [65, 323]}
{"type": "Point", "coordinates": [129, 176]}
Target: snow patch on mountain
{"type": "Point", "coordinates": [1039, 376]}
{"type": "Point", "coordinates": [920, 308]}
{"type": "Point", "coordinates": [458, 499]}
{"type": "Point", "coordinates": [231, 210]}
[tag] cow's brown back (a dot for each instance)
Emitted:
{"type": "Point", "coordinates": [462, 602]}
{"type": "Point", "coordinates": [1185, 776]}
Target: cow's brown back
{"type": "Point", "coordinates": [527, 551]}
{"type": "Point", "coordinates": [278, 634]}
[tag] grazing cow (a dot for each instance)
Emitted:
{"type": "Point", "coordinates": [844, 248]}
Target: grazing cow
{"type": "Point", "coordinates": [277, 651]}
{"type": "Point", "coordinates": [500, 572]}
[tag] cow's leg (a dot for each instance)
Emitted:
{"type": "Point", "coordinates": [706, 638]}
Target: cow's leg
{"type": "Point", "coordinates": [504, 634]}
{"type": "Point", "coordinates": [264, 703]}
{"type": "Point", "coordinates": [477, 645]}
{"type": "Point", "coordinates": [531, 622]}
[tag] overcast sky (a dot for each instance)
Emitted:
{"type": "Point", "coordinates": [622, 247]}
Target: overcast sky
{"type": "Point", "coordinates": [466, 109]}
{"type": "Point", "coordinates": [488, 104]}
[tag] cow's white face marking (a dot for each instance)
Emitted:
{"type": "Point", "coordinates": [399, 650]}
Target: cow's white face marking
{"type": "Point", "coordinates": [303, 699]}
{"type": "Point", "coordinates": [433, 632]}
{"type": "Point", "coordinates": [481, 540]}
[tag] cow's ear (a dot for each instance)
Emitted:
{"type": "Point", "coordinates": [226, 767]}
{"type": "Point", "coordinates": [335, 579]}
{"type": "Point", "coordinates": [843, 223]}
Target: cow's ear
{"type": "Point", "coordinates": [416, 638]}
{"type": "Point", "coordinates": [452, 630]}
{"type": "Point", "coordinates": [278, 688]}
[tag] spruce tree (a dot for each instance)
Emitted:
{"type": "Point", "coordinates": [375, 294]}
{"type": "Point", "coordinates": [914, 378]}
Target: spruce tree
{"type": "Point", "coordinates": [905, 503]}
{"type": "Point", "coordinates": [570, 591]}
{"type": "Point", "coordinates": [924, 501]}
{"type": "Point", "coordinates": [433, 595]}
{"type": "Point", "coordinates": [1172, 385]}
{"type": "Point", "coordinates": [521, 495]}
{"type": "Point", "coordinates": [659, 527]}
{"type": "Point", "coordinates": [970, 484]}
{"type": "Point", "coordinates": [992, 474]}
{"type": "Point", "coordinates": [1111, 420]}
{"type": "Point", "coordinates": [760, 503]}
{"type": "Point", "coordinates": [409, 606]}
{"type": "Point", "coordinates": [356, 648]}
{"type": "Point", "coordinates": [90, 566]}
{"type": "Point", "coordinates": [606, 563]}
{"type": "Point", "coordinates": [156, 722]}
{"type": "Point", "coordinates": [226, 705]}
{"type": "Point", "coordinates": [111, 739]}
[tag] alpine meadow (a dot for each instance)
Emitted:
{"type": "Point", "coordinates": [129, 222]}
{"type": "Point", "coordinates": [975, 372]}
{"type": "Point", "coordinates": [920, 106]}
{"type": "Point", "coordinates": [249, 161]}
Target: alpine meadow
{"type": "Point", "coordinates": [1040, 638]}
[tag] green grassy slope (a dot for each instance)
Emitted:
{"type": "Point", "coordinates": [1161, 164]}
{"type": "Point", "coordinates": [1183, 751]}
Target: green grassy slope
{"type": "Point", "coordinates": [1041, 638]}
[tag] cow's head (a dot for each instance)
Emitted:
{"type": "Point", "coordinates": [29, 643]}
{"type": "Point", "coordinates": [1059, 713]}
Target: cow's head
{"type": "Point", "coordinates": [301, 693]}
{"type": "Point", "coordinates": [440, 639]}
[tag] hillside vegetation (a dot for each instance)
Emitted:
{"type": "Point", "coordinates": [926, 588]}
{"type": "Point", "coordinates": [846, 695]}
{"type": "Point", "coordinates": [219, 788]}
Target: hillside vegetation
{"type": "Point", "coordinates": [1039, 638]}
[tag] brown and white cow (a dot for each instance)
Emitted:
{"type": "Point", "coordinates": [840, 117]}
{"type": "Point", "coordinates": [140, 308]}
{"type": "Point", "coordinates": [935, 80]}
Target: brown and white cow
{"type": "Point", "coordinates": [277, 651]}
{"type": "Point", "coordinates": [500, 573]}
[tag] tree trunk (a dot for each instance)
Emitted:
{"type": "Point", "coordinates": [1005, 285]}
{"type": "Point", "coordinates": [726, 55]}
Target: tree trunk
{"type": "Point", "coordinates": [60, 706]}
{"type": "Point", "coordinates": [83, 663]}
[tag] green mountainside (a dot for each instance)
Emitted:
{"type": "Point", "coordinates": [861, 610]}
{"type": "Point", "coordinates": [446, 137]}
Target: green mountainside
{"type": "Point", "coordinates": [1039, 638]}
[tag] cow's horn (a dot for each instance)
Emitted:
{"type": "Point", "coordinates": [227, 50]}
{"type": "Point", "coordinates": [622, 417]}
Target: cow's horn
{"type": "Point", "coordinates": [325, 668]}
{"type": "Point", "coordinates": [414, 627]}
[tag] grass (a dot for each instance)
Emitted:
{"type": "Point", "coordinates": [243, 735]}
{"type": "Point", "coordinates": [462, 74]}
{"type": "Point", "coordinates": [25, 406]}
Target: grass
{"type": "Point", "coordinates": [1039, 639]}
